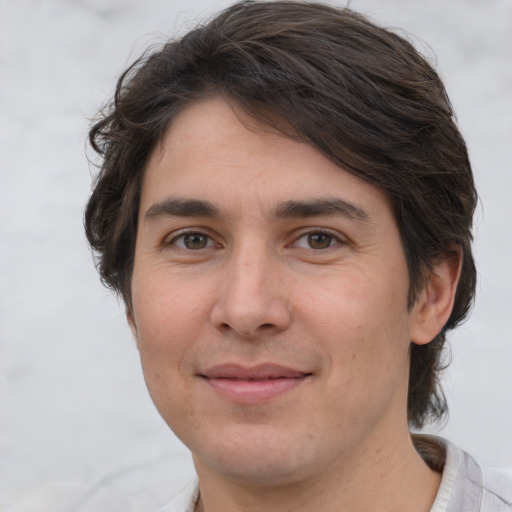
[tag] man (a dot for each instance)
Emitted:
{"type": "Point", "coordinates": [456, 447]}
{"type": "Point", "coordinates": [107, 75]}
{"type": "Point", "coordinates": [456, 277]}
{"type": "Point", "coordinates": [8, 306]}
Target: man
{"type": "Point", "coordinates": [285, 205]}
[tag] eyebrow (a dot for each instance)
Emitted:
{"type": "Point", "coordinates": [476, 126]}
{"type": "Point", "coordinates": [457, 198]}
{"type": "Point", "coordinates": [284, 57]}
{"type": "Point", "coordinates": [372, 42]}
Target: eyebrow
{"type": "Point", "coordinates": [321, 207]}
{"type": "Point", "coordinates": [175, 207]}
{"type": "Point", "coordinates": [182, 207]}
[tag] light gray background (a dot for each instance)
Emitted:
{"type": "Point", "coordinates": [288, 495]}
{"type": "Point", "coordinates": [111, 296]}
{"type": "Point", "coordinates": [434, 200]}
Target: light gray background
{"type": "Point", "coordinates": [77, 429]}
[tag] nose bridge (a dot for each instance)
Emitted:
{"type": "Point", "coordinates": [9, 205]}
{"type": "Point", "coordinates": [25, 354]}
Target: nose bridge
{"type": "Point", "coordinates": [250, 264]}
{"type": "Point", "coordinates": [251, 295]}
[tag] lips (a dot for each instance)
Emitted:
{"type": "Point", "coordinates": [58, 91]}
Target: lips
{"type": "Point", "coordinates": [252, 385]}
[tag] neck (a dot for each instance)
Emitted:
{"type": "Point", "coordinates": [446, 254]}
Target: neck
{"type": "Point", "coordinates": [388, 476]}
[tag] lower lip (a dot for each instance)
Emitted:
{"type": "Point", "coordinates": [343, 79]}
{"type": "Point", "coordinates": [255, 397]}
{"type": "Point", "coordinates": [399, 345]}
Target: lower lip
{"type": "Point", "coordinates": [254, 391]}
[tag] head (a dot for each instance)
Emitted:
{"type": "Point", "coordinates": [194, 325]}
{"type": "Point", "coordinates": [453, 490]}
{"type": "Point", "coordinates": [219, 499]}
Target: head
{"type": "Point", "coordinates": [360, 95]}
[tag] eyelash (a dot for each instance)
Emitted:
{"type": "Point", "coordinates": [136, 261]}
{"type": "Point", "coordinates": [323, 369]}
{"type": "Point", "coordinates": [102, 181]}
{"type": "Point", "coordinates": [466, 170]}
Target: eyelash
{"type": "Point", "coordinates": [333, 240]}
{"type": "Point", "coordinates": [190, 233]}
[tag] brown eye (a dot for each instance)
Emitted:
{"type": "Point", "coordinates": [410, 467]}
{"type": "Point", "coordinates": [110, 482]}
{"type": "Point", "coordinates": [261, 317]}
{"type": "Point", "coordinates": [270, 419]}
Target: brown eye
{"type": "Point", "coordinates": [319, 240]}
{"type": "Point", "coordinates": [192, 241]}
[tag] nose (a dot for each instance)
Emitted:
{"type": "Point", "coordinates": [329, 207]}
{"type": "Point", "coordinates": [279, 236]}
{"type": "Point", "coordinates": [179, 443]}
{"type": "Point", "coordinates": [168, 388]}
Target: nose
{"type": "Point", "coordinates": [252, 298]}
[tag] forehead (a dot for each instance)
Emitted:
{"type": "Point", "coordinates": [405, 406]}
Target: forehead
{"type": "Point", "coordinates": [214, 151]}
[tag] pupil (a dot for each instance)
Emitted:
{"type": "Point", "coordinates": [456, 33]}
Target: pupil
{"type": "Point", "coordinates": [195, 241]}
{"type": "Point", "coordinates": [319, 241]}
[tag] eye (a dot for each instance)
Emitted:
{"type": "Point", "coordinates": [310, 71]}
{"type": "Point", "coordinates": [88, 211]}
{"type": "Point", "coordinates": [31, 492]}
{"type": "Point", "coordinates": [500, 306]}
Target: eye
{"type": "Point", "coordinates": [317, 240]}
{"type": "Point", "coordinates": [192, 241]}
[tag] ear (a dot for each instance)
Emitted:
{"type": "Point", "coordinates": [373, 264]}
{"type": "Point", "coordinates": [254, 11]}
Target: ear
{"type": "Point", "coordinates": [435, 302]}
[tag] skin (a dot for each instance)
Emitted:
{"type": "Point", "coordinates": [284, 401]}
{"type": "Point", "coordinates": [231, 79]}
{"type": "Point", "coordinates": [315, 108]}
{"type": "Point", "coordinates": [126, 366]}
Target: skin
{"type": "Point", "coordinates": [256, 281]}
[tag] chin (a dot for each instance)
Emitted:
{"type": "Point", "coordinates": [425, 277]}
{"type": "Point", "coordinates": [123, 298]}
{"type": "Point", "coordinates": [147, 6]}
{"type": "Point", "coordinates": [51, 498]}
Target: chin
{"type": "Point", "coordinates": [256, 456]}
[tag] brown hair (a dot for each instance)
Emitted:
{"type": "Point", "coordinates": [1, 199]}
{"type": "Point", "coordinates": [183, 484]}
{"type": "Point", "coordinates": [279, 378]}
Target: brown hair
{"type": "Point", "coordinates": [360, 94]}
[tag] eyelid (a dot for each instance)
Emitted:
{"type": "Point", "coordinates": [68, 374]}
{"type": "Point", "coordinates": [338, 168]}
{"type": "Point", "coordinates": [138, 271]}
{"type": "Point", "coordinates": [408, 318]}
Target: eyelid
{"type": "Point", "coordinates": [338, 237]}
{"type": "Point", "coordinates": [170, 239]}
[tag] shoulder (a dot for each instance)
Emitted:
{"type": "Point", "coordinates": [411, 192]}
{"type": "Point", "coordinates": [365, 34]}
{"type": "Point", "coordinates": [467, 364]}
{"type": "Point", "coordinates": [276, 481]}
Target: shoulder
{"type": "Point", "coordinates": [185, 501]}
{"type": "Point", "coordinates": [469, 486]}
{"type": "Point", "coordinates": [478, 486]}
{"type": "Point", "coordinates": [496, 490]}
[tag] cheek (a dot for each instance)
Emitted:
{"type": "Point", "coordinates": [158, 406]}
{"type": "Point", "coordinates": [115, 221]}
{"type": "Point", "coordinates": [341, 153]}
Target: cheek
{"type": "Point", "coordinates": [167, 312]}
{"type": "Point", "coordinates": [167, 321]}
{"type": "Point", "coordinates": [348, 308]}
{"type": "Point", "coordinates": [363, 326]}
{"type": "Point", "coordinates": [165, 335]}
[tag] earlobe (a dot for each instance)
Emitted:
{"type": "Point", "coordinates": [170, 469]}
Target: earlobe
{"type": "Point", "coordinates": [435, 302]}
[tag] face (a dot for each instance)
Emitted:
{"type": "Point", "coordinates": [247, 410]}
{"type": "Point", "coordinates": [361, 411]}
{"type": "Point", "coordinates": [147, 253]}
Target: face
{"type": "Point", "coordinates": [269, 301]}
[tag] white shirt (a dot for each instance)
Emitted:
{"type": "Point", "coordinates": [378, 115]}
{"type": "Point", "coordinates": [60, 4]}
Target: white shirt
{"type": "Point", "coordinates": [466, 486]}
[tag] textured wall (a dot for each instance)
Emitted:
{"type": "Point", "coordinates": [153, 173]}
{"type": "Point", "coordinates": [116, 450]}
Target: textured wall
{"type": "Point", "coordinates": [77, 429]}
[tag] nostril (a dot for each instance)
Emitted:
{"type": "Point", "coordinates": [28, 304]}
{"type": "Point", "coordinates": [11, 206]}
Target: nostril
{"type": "Point", "coordinates": [249, 317]}
{"type": "Point", "coordinates": [246, 330]}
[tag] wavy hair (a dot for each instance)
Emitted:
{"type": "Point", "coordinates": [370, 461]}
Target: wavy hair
{"type": "Point", "coordinates": [361, 94]}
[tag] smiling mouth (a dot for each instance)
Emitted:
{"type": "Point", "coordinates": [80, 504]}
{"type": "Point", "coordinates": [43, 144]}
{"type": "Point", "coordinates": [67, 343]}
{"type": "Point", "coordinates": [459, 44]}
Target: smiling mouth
{"type": "Point", "coordinates": [258, 384]}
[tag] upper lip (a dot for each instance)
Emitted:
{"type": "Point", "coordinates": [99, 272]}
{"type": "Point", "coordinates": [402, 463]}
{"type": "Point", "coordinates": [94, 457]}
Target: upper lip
{"type": "Point", "coordinates": [263, 371]}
